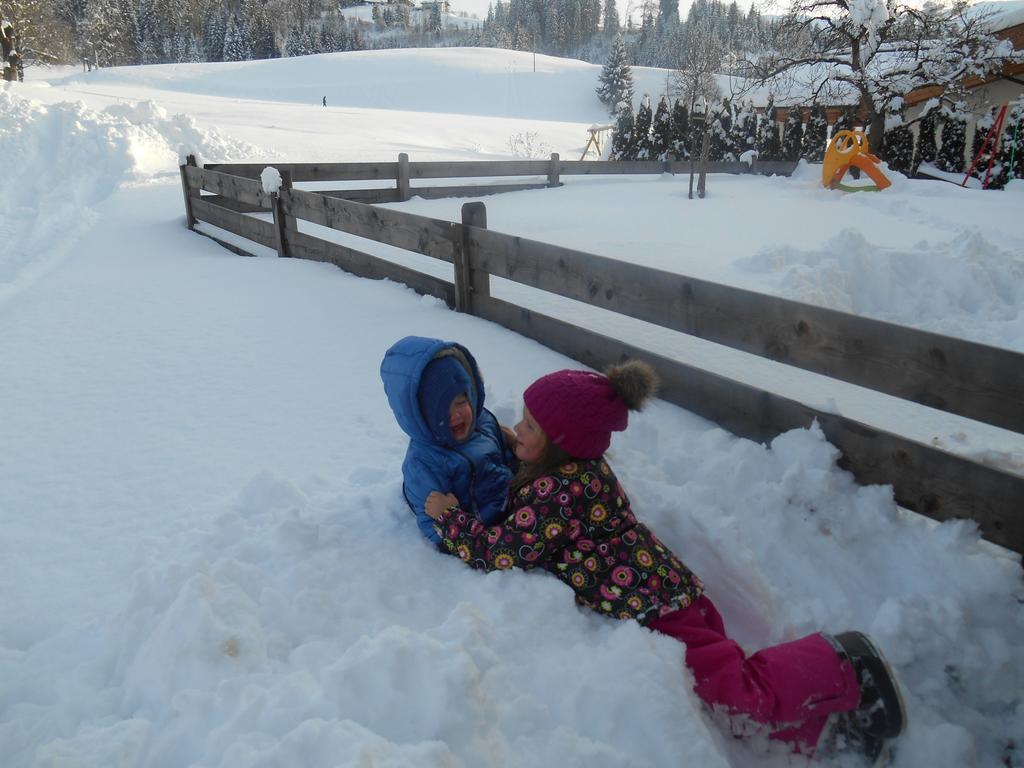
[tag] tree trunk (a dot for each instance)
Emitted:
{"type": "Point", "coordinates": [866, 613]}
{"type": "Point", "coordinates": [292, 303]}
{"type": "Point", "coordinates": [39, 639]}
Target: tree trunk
{"type": "Point", "coordinates": [876, 132]}
{"type": "Point", "coordinates": [9, 63]}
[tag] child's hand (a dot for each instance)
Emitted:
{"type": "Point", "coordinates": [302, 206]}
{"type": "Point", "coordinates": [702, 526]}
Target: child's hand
{"type": "Point", "coordinates": [438, 502]}
{"type": "Point", "coordinates": [510, 436]}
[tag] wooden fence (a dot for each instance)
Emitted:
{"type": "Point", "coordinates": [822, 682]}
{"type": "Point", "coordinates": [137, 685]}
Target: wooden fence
{"type": "Point", "coordinates": [973, 380]}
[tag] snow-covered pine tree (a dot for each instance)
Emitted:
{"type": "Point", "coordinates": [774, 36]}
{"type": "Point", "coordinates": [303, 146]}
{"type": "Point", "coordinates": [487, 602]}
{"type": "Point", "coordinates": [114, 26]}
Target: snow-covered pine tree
{"type": "Point", "coordinates": [846, 121]}
{"type": "Point", "coordinates": [898, 150]}
{"type": "Point", "coordinates": [815, 135]}
{"type": "Point", "coordinates": [1011, 149]}
{"type": "Point", "coordinates": [927, 146]}
{"type": "Point", "coordinates": [129, 31]}
{"type": "Point", "coordinates": [793, 134]}
{"type": "Point", "coordinates": [719, 125]}
{"type": "Point", "coordinates": [661, 131]}
{"type": "Point", "coordinates": [979, 158]}
{"type": "Point", "coordinates": [769, 145]}
{"type": "Point", "coordinates": [954, 140]}
{"type": "Point", "coordinates": [616, 78]}
{"type": "Point", "coordinates": [302, 41]}
{"type": "Point", "coordinates": [237, 45]}
{"type": "Point", "coordinates": [264, 46]}
{"type": "Point", "coordinates": [642, 149]}
{"type": "Point", "coordinates": [744, 129]}
{"type": "Point", "coordinates": [610, 19]}
{"type": "Point", "coordinates": [622, 140]}
{"type": "Point", "coordinates": [679, 145]}
{"type": "Point", "coordinates": [214, 30]}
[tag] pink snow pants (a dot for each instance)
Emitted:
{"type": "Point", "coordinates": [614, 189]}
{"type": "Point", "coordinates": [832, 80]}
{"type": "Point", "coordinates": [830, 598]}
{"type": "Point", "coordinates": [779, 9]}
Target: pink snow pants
{"type": "Point", "coordinates": [792, 688]}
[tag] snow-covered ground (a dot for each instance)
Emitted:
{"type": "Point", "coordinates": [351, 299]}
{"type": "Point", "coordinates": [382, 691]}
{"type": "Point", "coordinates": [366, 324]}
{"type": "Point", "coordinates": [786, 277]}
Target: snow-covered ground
{"type": "Point", "coordinates": [206, 559]}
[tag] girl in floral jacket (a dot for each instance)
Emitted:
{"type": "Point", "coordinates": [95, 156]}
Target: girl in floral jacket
{"type": "Point", "coordinates": [569, 515]}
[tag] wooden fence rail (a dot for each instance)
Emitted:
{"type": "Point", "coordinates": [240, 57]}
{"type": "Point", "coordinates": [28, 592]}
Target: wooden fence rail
{"type": "Point", "coordinates": [472, 169]}
{"type": "Point", "coordinates": [977, 381]}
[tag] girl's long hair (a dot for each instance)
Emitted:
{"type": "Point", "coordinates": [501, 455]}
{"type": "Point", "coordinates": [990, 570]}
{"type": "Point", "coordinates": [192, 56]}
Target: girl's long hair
{"type": "Point", "coordinates": [551, 458]}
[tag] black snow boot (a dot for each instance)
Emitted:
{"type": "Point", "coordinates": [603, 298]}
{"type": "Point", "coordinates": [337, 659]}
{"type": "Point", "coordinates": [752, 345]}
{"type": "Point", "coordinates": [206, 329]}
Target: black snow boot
{"type": "Point", "coordinates": [879, 716]}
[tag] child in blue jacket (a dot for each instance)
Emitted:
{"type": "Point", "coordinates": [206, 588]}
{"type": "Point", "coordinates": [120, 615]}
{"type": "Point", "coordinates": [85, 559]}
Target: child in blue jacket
{"type": "Point", "coordinates": [437, 394]}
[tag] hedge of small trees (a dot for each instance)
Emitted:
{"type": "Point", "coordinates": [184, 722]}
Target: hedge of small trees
{"type": "Point", "coordinates": [939, 139]}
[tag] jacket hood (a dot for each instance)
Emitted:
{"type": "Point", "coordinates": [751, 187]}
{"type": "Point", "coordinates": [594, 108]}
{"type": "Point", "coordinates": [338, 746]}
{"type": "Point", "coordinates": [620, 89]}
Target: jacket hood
{"type": "Point", "coordinates": [402, 370]}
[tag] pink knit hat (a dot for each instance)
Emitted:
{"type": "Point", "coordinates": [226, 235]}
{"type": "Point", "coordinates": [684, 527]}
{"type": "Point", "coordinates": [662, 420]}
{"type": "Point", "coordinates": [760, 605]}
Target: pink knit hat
{"type": "Point", "coordinates": [579, 410]}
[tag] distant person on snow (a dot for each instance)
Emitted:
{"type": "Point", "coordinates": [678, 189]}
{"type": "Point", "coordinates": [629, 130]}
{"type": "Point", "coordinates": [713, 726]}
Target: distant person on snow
{"type": "Point", "coordinates": [325, 101]}
{"type": "Point", "coordinates": [569, 515]}
{"type": "Point", "coordinates": [437, 394]}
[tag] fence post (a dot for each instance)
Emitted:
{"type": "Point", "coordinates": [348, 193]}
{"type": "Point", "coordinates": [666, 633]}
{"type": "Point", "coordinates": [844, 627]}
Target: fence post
{"type": "Point", "coordinates": [282, 222]}
{"type": "Point", "coordinates": [189, 192]}
{"type": "Point", "coordinates": [403, 177]}
{"type": "Point", "coordinates": [470, 282]}
{"type": "Point", "coordinates": [554, 171]}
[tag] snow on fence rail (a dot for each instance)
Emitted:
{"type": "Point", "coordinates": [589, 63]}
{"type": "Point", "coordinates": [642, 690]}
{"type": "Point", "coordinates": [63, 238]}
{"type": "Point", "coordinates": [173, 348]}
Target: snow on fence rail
{"type": "Point", "coordinates": [973, 380]}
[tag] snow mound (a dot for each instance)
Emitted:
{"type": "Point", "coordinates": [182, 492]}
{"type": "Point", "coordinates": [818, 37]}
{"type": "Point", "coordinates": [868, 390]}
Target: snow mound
{"type": "Point", "coordinates": [935, 286]}
{"type": "Point", "coordinates": [69, 158]}
{"type": "Point", "coordinates": [262, 642]}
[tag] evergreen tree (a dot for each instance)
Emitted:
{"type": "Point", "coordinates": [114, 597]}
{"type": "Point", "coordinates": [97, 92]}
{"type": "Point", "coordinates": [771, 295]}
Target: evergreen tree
{"type": "Point", "coordinates": [616, 79]}
{"type": "Point", "coordinates": [105, 41]}
{"type": "Point", "coordinates": [744, 130]}
{"type": "Point", "coordinates": [642, 149]}
{"type": "Point", "coordinates": [793, 134]}
{"type": "Point", "coordinates": [815, 135]}
{"type": "Point", "coordinates": [193, 55]}
{"type": "Point", "coordinates": [668, 13]}
{"type": "Point", "coordinates": [611, 19]}
{"type": "Point", "coordinates": [1010, 160]}
{"type": "Point", "coordinates": [898, 150]}
{"type": "Point", "coordinates": [622, 141]}
{"type": "Point", "coordinates": [356, 41]}
{"type": "Point", "coordinates": [719, 127]}
{"type": "Point", "coordinates": [129, 31]}
{"type": "Point", "coordinates": [214, 31]}
{"type": "Point", "coordinates": [236, 40]}
{"type": "Point", "coordinates": [769, 145]}
{"type": "Point", "coordinates": [264, 46]}
{"type": "Point", "coordinates": [979, 158]}
{"type": "Point", "coordinates": [661, 131]}
{"type": "Point", "coordinates": [927, 146]}
{"type": "Point", "coordinates": [590, 19]}
{"type": "Point", "coordinates": [954, 140]}
{"type": "Point", "coordinates": [679, 147]}
{"type": "Point", "coordinates": [847, 121]}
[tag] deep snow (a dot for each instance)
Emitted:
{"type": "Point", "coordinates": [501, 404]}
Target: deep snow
{"type": "Point", "coordinates": [206, 557]}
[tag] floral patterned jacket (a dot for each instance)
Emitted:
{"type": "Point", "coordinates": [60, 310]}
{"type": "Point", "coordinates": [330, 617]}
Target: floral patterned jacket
{"type": "Point", "coordinates": [577, 524]}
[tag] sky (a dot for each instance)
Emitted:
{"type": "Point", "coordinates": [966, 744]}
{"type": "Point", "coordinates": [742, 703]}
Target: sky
{"type": "Point", "coordinates": [634, 7]}
{"type": "Point", "coordinates": [207, 560]}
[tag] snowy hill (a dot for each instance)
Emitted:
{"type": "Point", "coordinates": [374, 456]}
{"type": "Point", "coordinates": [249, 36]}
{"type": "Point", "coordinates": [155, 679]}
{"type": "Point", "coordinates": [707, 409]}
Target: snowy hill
{"type": "Point", "coordinates": [206, 559]}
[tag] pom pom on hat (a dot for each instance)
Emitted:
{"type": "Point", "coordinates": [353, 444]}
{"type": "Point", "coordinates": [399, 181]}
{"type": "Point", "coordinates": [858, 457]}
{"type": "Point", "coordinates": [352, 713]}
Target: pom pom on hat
{"type": "Point", "coordinates": [443, 379]}
{"type": "Point", "coordinates": [579, 410]}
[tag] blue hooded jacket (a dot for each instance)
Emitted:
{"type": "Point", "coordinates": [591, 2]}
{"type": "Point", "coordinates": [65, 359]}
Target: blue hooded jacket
{"type": "Point", "coordinates": [479, 469]}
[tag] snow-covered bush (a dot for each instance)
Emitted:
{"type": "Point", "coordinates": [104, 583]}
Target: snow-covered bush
{"type": "Point", "coordinates": [527, 145]}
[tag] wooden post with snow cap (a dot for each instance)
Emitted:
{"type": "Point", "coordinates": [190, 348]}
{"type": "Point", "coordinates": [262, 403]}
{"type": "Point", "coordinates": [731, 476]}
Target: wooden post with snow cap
{"type": "Point", "coordinates": [554, 171]}
{"type": "Point", "coordinates": [403, 177]}
{"type": "Point", "coordinates": [189, 191]}
{"type": "Point", "coordinates": [283, 224]}
{"type": "Point", "coordinates": [470, 282]}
